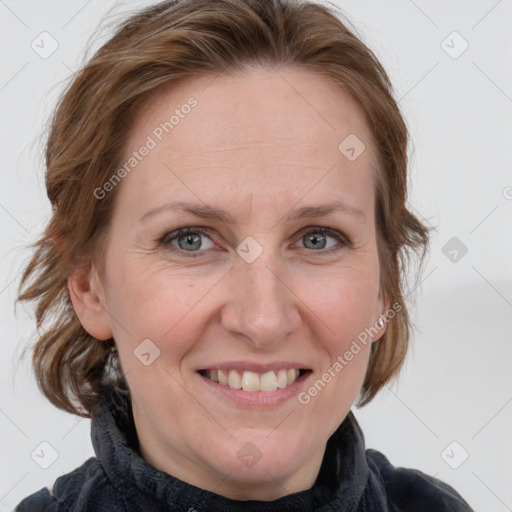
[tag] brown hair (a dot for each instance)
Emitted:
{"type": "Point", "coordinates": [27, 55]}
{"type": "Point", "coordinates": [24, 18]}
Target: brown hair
{"type": "Point", "coordinates": [156, 47]}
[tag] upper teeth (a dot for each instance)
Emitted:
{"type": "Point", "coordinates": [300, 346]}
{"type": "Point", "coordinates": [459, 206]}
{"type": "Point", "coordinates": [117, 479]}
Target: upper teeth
{"type": "Point", "coordinates": [252, 381]}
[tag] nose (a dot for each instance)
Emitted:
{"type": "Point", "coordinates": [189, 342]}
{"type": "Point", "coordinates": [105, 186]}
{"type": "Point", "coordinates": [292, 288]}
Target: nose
{"type": "Point", "coordinates": [262, 306]}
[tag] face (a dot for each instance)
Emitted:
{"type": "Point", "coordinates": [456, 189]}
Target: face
{"type": "Point", "coordinates": [259, 285]}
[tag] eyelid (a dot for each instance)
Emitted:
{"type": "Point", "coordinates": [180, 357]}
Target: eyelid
{"type": "Point", "coordinates": [168, 236]}
{"type": "Point", "coordinates": [176, 233]}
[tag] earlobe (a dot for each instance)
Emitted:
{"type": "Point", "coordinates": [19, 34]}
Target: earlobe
{"type": "Point", "coordinates": [87, 296]}
{"type": "Point", "coordinates": [382, 316]}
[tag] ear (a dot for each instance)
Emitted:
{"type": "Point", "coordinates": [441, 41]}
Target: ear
{"type": "Point", "coordinates": [381, 311]}
{"type": "Point", "coordinates": [88, 298]}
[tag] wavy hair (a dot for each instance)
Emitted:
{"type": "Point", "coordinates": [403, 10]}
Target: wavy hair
{"type": "Point", "coordinates": [157, 47]}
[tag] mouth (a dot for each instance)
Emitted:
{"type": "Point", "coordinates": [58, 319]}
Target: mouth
{"type": "Point", "coordinates": [251, 381]}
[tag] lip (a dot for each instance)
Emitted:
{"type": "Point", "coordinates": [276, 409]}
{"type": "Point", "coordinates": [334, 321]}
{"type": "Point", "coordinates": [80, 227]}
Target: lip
{"type": "Point", "coordinates": [252, 399]}
{"type": "Point", "coordinates": [256, 367]}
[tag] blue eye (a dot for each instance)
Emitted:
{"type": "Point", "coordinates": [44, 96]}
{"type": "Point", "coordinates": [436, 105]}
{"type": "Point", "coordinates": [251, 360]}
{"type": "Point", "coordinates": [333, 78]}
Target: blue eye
{"type": "Point", "coordinates": [317, 241]}
{"type": "Point", "coordinates": [191, 238]}
{"type": "Point", "coordinates": [187, 238]}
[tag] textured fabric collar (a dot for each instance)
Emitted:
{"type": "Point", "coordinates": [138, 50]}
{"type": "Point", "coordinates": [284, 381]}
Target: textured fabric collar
{"type": "Point", "coordinates": [342, 483]}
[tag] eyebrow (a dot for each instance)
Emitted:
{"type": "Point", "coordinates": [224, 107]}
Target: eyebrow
{"type": "Point", "coordinates": [204, 211]}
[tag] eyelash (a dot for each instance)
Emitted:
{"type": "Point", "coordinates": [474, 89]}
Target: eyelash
{"type": "Point", "coordinates": [167, 238]}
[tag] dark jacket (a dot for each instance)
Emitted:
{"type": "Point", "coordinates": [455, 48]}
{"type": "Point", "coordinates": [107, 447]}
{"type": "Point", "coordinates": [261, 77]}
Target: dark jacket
{"type": "Point", "coordinates": [350, 479]}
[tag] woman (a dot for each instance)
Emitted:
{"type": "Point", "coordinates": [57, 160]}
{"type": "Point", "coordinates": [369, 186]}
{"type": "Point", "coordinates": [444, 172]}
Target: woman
{"type": "Point", "coordinates": [221, 278]}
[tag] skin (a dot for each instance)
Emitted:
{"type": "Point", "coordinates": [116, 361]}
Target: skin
{"type": "Point", "coordinates": [258, 148]}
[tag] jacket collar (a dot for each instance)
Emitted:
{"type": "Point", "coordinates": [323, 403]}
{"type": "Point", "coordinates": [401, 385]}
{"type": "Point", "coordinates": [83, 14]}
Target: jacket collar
{"type": "Point", "coordinates": [340, 484]}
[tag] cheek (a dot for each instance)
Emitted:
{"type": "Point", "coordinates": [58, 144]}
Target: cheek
{"type": "Point", "coordinates": [345, 306]}
{"type": "Point", "coordinates": [344, 301]}
{"type": "Point", "coordinates": [160, 305]}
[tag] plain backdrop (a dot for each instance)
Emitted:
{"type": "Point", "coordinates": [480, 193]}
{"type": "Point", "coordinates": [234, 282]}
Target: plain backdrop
{"type": "Point", "coordinates": [450, 415]}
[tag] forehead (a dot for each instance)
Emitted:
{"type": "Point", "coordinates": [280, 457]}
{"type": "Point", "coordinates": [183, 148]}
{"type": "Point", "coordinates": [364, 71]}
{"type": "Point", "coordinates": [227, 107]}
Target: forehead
{"type": "Point", "coordinates": [261, 130]}
{"type": "Point", "coordinates": [306, 102]}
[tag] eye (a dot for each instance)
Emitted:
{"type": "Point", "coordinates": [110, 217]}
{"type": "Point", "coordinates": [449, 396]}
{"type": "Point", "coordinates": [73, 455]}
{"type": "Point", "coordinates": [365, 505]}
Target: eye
{"type": "Point", "coordinates": [316, 238]}
{"type": "Point", "coordinates": [185, 238]}
{"type": "Point", "coordinates": [188, 241]}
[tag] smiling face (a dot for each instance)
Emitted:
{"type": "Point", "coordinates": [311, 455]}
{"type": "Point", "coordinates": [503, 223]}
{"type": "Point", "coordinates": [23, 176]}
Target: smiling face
{"type": "Point", "coordinates": [253, 293]}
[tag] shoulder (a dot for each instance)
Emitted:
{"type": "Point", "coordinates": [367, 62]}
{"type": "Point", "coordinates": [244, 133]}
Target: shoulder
{"type": "Point", "coordinates": [68, 490]}
{"type": "Point", "coordinates": [411, 489]}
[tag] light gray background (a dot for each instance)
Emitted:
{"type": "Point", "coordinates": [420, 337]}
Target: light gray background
{"type": "Point", "coordinates": [457, 384]}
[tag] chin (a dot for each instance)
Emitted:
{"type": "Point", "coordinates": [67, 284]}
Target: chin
{"type": "Point", "coordinates": [259, 457]}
